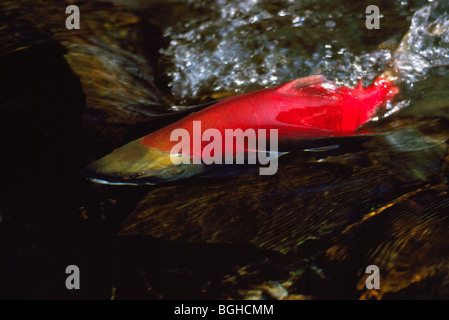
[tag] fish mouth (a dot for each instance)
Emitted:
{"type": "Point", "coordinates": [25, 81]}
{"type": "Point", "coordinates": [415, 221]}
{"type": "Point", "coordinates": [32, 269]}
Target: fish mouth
{"type": "Point", "coordinates": [93, 174]}
{"type": "Point", "coordinates": [137, 164]}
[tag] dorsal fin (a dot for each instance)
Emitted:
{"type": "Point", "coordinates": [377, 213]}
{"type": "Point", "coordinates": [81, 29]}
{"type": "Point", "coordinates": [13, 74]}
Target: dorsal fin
{"type": "Point", "coordinates": [302, 86]}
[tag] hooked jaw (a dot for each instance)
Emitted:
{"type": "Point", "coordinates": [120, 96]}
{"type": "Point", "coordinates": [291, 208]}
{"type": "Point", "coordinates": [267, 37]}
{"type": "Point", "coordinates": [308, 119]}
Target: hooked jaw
{"type": "Point", "coordinates": [137, 164]}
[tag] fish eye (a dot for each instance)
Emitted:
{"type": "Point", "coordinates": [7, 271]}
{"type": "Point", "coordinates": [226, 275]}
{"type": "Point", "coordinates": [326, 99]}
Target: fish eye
{"type": "Point", "coordinates": [136, 175]}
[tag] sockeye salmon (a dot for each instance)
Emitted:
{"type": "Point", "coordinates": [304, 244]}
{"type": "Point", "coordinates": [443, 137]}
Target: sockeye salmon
{"type": "Point", "coordinates": [305, 108]}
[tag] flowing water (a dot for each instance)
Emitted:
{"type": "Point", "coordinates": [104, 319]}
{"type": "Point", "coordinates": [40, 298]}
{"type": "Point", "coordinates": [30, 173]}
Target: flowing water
{"type": "Point", "coordinates": [307, 232]}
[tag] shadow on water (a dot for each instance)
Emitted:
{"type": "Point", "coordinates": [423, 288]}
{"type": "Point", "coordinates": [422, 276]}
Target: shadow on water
{"type": "Point", "coordinates": [41, 105]}
{"type": "Point", "coordinates": [51, 217]}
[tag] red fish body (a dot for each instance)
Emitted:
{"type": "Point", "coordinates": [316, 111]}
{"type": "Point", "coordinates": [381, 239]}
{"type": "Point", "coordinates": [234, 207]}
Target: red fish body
{"type": "Point", "coordinates": [305, 108]}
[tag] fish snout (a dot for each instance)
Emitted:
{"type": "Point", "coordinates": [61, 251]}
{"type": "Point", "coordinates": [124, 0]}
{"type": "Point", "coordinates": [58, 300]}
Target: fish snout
{"type": "Point", "coordinates": [137, 164]}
